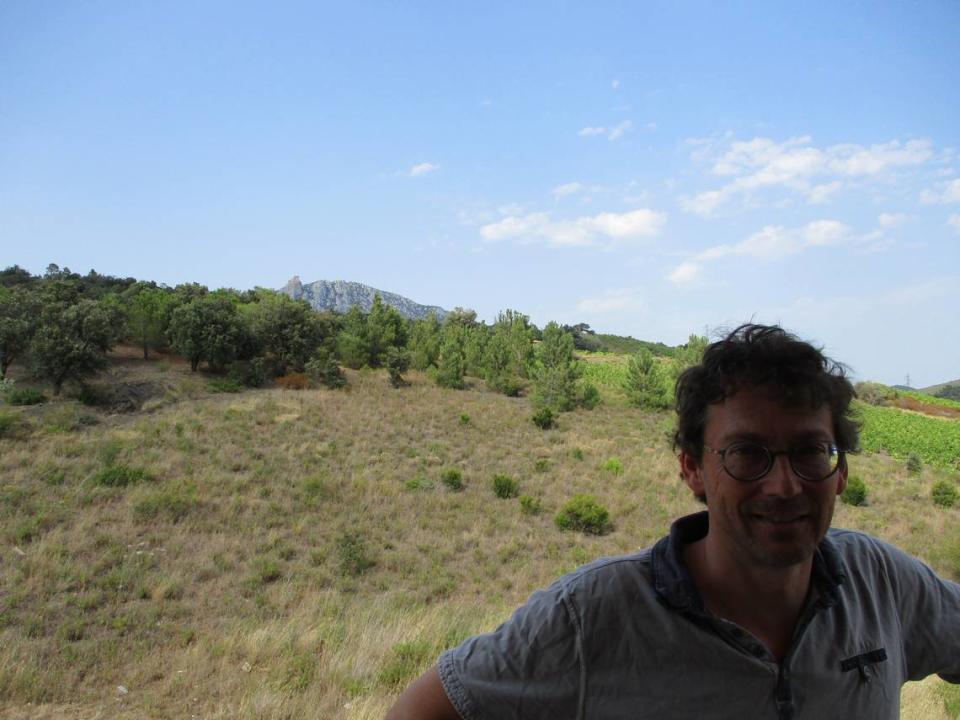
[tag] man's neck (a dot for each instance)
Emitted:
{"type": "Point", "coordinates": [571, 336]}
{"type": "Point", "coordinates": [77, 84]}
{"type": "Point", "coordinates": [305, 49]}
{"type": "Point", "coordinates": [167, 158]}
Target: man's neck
{"type": "Point", "coordinates": [767, 601]}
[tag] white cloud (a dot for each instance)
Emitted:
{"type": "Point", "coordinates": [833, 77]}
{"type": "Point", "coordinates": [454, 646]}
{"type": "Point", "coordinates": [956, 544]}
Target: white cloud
{"type": "Point", "coordinates": [612, 301]}
{"type": "Point", "coordinates": [772, 242]}
{"type": "Point", "coordinates": [588, 131]}
{"type": "Point", "coordinates": [617, 132]}
{"type": "Point", "coordinates": [954, 222]}
{"type": "Point", "coordinates": [891, 220]}
{"type": "Point", "coordinates": [952, 193]}
{"type": "Point", "coordinates": [613, 133]}
{"type": "Point", "coordinates": [423, 169]}
{"type": "Point", "coordinates": [685, 273]}
{"type": "Point", "coordinates": [596, 230]}
{"type": "Point", "coordinates": [796, 165]}
{"type": "Point", "coordinates": [570, 188]}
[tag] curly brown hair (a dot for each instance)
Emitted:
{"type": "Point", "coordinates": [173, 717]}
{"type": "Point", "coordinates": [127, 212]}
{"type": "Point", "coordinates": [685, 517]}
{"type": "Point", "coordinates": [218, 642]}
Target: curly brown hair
{"type": "Point", "coordinates": [765, 356]}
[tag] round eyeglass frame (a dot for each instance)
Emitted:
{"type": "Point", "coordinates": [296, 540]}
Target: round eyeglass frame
{"type": "Point", "coordinates": [832, 449]}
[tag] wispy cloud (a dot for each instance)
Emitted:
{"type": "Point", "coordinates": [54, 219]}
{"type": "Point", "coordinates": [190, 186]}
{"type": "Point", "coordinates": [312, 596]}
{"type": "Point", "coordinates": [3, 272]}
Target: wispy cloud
{"type": "Point", "coordinates": [422, 169]}
{"type": "Point", "coordinates": [954, 222]}
{"type": "Point", "coordinates": [772, 242]}
{"type": "Point", "coordinates": [889, 221]}
{"type": "Point", "coordinates": [945, 194]}
{"type": "Point", "coordinates": [611, 133]}
{"type": "Point", "coordinates": [613, 301]}
{"type": "Point", "coordinates": [796, 165]}
{"type": "Point", "coordinates": [591, 230]}
{"type": "Point", "coordinates": [570, 188]}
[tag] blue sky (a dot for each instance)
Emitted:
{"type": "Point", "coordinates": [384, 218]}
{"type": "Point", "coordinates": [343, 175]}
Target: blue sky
{"type": "Point", "coordinates": [652, 169]}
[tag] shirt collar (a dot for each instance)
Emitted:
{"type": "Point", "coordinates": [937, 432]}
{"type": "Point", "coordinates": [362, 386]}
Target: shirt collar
{"type": "Point", "coordinates": [673, 583]}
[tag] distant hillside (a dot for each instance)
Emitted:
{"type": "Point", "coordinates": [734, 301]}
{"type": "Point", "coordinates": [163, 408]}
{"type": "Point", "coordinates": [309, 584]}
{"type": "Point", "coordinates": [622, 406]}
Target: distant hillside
{"type": "Point", "coordinates": [340, 296]}
{"type": "Point", "coordinates": [949, 390]}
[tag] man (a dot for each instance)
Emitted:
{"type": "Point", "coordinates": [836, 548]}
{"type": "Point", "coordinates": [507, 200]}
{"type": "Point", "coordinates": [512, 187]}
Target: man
{"type": "Point", "coordinates": [752, 609]}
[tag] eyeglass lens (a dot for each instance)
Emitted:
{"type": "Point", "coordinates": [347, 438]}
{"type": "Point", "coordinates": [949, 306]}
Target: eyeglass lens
{"type": "Point", "coordinates": [748, 461]}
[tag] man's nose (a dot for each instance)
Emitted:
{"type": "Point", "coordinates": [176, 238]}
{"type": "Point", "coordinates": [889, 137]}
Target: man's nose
{"type": "Point", "coordinates": [782, 481]}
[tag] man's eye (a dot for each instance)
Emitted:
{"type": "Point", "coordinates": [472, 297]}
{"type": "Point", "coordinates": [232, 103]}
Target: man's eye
{"type": "Point", "coordinates": [746, 451]}
{"type": "Point", "coordinates": [808, 452]}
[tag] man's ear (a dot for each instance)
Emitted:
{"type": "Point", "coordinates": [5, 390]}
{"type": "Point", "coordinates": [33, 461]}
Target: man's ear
{"type": "Point", "coordinates": [691, 472]}
{"type": "Point", "coordinates": [842, 475]}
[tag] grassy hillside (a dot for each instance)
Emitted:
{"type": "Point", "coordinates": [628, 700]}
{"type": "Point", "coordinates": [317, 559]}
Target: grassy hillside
{"type": "Point", "coordinates": [287, 554]}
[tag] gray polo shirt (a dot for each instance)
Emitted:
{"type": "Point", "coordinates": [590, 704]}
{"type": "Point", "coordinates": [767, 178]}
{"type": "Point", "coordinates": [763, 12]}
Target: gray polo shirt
{"type": "Point", "coordinates": [628, 637]}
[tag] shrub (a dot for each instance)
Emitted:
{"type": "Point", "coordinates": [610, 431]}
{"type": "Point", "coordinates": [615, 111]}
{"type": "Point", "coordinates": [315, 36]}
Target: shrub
{"type": "Point", "coordinates": [418, 483]}
{"type": "Point", "coordinates": [323, 369]}
{"type": "Point", "coordinates": [613, 465]}
{"type": "Point", "coordinates": [266, 571]}
{"type": "Point", "coordinates": [541, 465]}
{"type": "Point", "coordinates": [529, 505]}
{"type": "Point", "coordinates": [252, 373]}
{"type": "Point", "coordinates": [452, 478]}
{"type": "Point", "coordinates": [874, 393]}
{"type": "Point", "coordinates": [25, 396]}
{"type": "Point", "coordinates": [914, 464]}
{"type": "Point", "coordinates": [576, 454]}
{"type": "Point", "coordinates": [120, 475]}
{"type": "Point", "coordinates": [543, 418]}
{"type": "Point", "coordinates": [945, 493]}
{"type": "Point", "coordinates": [224, 385]}
{"type": "Point", "coordinates": [585, 514]}
{"type": "Point", "coordinates": [505, 487]}
{"type": "Point", "coordinates": [855, 493]}
{"type": "Point", "coordinates": [588, 396]}
{"type": "Point", "coordinates": [353, 554]}
{"type": "Point", "coordinates": [397, 362]}
{"type": "Point", "coordinates": [464, 419]}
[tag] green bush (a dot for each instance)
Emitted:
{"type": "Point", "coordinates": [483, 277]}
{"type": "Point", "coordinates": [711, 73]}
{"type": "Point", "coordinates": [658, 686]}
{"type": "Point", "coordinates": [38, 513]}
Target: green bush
{"type": "Point", "coordinates": [855, 493]}
{"type": "Point", "coordinates": [914, 464]}
{"type": "Point", "coordinates": [505, 487]}
{"type": "Point", "coordinates": [945, 493]}
{"type": "Point", "coordinates": [120, 476]}
{"type": "Point", "coordinates": [541, 465]}
{"type": "Point", "coordinates": [25, 396]}
{"type": "Point", "coordinates": [576, 454]}
{"type": "Point", "coordinates": [266, 571]}
{"type": "Point", "coordinates": [544, 418]}
{"type": "Point", "coordinates": [613, 465]}
{"type": "Point", "coordinates": [529, 505]}
{"type": "Point", "coordinates": [588, 396]}
{"type": "Point", "coordinates": [224, 385]}
{"type": "Point", "coordinates": [585, 514]}
{"type": "Point", "coordinates": [464, 419]}
{"type": "Point", "coordinates": [452, 478]}
{"type": "Point", "coordinates": [323, 369]}
{"type": "Point", "coordinates": [353, 554]}
{"type": "Point", "coordinates": [418, 483]}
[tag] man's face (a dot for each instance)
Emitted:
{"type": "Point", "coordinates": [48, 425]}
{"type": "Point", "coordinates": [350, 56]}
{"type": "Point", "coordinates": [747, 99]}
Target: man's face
{"type": "Point", "coordinates": [778, 520]}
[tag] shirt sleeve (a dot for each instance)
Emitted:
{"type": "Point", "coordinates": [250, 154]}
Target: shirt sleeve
{"type": "Point", "coordinates": [530, 667]}
{"type": "Point", "coordinates": [929, 608]}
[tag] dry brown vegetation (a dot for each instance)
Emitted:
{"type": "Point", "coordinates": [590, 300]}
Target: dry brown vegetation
{"type": "Point", "coordinates": [286, 554]}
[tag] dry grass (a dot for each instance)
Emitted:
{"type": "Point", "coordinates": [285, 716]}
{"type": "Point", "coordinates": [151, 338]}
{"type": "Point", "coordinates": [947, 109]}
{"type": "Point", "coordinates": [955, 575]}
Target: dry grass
{"type": "Point", "coordinates": [294, 553]}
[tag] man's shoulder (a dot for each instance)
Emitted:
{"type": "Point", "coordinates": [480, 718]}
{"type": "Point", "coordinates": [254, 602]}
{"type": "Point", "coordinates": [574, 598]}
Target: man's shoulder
{"type": "Point", "coordinates": [606, 576]}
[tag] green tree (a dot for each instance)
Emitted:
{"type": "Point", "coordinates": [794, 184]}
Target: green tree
{"type": "Point", "coordinates": [19, 309]}
{"type": "Point", "coordinates": [386, 328]}
{"type": "Point", "coordinates": [425, 341]}
{"type": "Point", "coordinates": [397, 363]}
{"type": "Point", "coordinates": [509, 352]}
{"type": "Point", "coordinates": [285, 331]}
{"type": "Point", "coordinates": [450, 371]}
{"type": "Point", "coordinates": [686, 356]}
{"type": "Point", "coordinates": [208, 328]}
{"type": "Point", "coordinates": [645, 384]}
{"type": "Point", "coordinates": [556, 371]}
{"type": "Point", "coordinates": [148, 313]}
{"type": "Point", "coordinates": [72, 340]}
{"type": "Point", "coordinates": [353, 344]}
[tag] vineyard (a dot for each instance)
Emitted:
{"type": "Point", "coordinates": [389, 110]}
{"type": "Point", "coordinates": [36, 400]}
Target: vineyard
{"type": "Point", "coordinates": [900, 433]}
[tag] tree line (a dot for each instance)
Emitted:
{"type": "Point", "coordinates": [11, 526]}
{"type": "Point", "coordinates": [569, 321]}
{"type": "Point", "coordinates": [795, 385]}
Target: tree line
{"type": "Point", "coordinates": [61, 325]}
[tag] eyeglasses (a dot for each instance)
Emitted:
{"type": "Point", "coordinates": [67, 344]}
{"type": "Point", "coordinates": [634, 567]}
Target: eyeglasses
{"type": "Point", "coordinates": [749, 461]}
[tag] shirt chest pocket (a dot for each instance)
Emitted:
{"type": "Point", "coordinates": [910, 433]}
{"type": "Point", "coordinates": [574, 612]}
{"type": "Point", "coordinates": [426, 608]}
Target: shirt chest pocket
{"type": "Point", "coordinates": [871, 680]}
